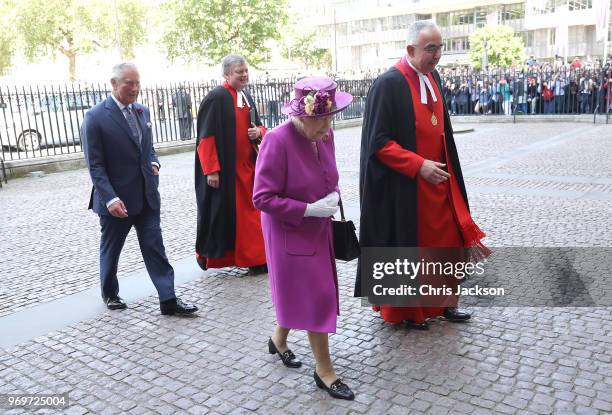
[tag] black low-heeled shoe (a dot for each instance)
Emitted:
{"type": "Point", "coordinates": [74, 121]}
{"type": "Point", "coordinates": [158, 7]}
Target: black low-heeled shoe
{"type": "Point", "coordinates": [258, 270]}
{"type": "Point", "coordinates": [287, 357]}
{"type": "Point", "coordinates": [337, 389]}
{"type": "Point", "coordinates": [417, 326]}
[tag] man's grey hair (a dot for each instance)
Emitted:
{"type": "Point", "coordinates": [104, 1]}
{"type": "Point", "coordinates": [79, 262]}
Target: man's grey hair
{"type": "Point", "coordinates": [117, 71]}
{"type": "Point", "coordinates": [230, 61]}
{"type": "Point", "coordinates": [416, 28]}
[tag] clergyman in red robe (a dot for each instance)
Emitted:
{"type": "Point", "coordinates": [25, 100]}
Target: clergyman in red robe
{"type": "Point", "coordinates": [229, 130]}
{"type": "Point", "coordinates": [412, 191]}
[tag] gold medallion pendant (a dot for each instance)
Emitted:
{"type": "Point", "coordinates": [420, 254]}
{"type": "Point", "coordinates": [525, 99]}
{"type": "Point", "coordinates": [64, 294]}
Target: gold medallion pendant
{"type": "Point", "coordinates": [434, 120]}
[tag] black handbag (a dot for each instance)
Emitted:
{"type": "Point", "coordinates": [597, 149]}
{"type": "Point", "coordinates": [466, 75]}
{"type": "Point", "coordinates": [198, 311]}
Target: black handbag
{"type": "Point", "coordinates": [346, 245]}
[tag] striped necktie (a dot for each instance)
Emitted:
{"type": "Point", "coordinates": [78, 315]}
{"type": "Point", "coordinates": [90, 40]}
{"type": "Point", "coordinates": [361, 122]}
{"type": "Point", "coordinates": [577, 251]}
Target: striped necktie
{"type": "Point", "coordinates": [129, 116]}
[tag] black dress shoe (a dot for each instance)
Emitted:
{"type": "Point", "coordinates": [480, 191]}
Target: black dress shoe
{"type": "Point", "coordinates": [287, 357]}
{"type": "Point", "coordinates": [257, 270]}
{"type": "Point", "coordinates": [176, 306]}
{"type": "Point", "coordinates": [417, 326]}
{"type": "Point", "coordinates": [115, 303]}
{"type": "Point", "coordinates": [454, 315]}
{"type": "Point", "coordinates": [201, 262]}
{"type": "Point", "coordinates": [337, 389]}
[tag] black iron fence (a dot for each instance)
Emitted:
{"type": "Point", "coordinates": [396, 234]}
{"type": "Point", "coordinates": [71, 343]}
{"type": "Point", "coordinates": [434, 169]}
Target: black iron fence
{"type": "Point", "coordinates": [40, 121]}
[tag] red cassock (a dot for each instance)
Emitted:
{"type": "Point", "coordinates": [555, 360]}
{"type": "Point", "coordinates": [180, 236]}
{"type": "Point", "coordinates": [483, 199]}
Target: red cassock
{"type": "Point", "coordinates": [249, 246]}
{"type": "Point", "coordinates": [438, 211]}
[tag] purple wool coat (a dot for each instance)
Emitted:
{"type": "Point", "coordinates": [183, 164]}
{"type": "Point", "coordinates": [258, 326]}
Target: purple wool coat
{"type": "Point", "coordinates": [299, 250]}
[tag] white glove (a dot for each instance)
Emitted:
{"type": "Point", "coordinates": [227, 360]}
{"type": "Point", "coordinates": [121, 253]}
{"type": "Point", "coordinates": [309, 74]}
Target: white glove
{"type": "Point", "coordinates": [323, 208]}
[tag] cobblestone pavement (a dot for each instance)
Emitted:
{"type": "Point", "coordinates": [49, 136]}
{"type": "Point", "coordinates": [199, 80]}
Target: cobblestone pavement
{"type": "Point", "coordinates": [529, 185]}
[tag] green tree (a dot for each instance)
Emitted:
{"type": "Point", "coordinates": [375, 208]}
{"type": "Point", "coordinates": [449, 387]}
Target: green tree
{"type": "Point", "coordinates": [7, 50]}
{"type": "Point", "coordinates": [7, 38]}
{"type": "Point", "coordinates": [130, 25]}
{"type": "Point", "coordinates": [210, 29]}
{"type": "Point", "coordinates": [503, 47]}
{"type": "Point", "coordinates": [76, 27]}
{"type": "Point", "coordinates": [302, 47]}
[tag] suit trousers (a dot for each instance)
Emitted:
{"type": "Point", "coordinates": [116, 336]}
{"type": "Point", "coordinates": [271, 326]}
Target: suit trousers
{"type": "Point", "coordinates": [114, 231]}
{"type": "Point", "coordinates": [185, 128]}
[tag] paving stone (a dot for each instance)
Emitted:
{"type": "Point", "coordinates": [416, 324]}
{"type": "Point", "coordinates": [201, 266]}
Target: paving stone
{"type": "Point", "coordinates": [602, 405]}
{"type": "Point", "coordinates": [507, 360]}
{"type": "Point", "coordinates": [420, 405]}
{"type": "Point", "coordinates": [582, 410]}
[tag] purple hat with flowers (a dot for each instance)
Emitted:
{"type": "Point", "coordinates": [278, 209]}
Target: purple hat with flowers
{"type": "Point", "coordinates": [316, 96]}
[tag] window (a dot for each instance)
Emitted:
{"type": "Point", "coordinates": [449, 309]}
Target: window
{"type": "Point", "coordinates": [529, 38]}
{"type": "Point", "coordinates": [423, 16]}
{"type": "Point", "coordinates": [486, 15]}
{"type": "Point", "coordinates": [462, 17]}
{"type": "Point", "coordinates": [399, 22]}
{"type": "Point", "coordinates": [552, 34]}
{"type": "Point", "coordinates": [82, 100]}
{"type": "Point", "coordinates": [513, 12]}
{"type": "Point", "coordinates": [457, 44]}
{"type": "Point", "coordinates": [341, 29]}
{"type": "Point", "coordinates": [442, 19]}
{"type": "Point", "coordinates": [447, 44]}
{"type": "Point", "coordinates": [324, 31]}
{"type": "Point", "coordinates": [580, 4]}
{"type": "Point", "coordinates": [546, 7]}
{"type": "Point", "coordinates": [366, 25]}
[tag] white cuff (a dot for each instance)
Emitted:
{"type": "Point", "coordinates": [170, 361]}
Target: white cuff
{"type": "Point", "coordinates": [154, 163]}
{"type": "Point", "coordinates": [110, 202]}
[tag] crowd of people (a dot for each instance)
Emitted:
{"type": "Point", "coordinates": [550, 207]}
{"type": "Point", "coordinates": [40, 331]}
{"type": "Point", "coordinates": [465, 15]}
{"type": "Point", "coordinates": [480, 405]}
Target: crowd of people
{"type": "Point", "coordinates": [532, 91]}
{"type": "Point", "coordinates": [547, 87]}
{"type": "Point", "coordinates": [535, 88]}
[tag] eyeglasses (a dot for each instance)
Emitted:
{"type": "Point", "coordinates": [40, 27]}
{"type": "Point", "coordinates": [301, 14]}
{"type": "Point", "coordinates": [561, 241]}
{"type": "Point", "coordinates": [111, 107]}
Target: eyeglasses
{"type": "Point", "coordinates": [432, 49]}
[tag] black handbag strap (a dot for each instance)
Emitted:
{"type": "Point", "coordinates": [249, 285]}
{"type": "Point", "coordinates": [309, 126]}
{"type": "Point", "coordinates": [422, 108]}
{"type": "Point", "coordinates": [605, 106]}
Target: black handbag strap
{"type": "Point", "coordinates": [341, 210]}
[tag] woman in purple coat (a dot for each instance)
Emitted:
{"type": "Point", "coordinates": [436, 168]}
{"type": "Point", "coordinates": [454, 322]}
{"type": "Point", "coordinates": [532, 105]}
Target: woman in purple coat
{"type": "Point", "coordinates": [296, 189]}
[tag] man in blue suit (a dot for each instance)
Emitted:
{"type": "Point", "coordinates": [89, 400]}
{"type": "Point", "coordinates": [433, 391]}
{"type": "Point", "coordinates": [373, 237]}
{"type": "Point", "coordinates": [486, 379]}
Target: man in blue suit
{"type": "Point", "coordinates": [124, 169]}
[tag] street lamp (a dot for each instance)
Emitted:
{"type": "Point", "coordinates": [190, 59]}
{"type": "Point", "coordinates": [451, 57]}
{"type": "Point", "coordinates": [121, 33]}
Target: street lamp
{"type": "Point", "coordinates": [485, 57]}
{"type": "Point", "coordinates": [335, 44]}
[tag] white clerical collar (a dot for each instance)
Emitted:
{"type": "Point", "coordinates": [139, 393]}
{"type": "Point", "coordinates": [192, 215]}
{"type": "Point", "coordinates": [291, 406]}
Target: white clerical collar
{"type": "Point", "coordinates": [424, 81]}
{"type": "Point", "coordinates": [239, 97]}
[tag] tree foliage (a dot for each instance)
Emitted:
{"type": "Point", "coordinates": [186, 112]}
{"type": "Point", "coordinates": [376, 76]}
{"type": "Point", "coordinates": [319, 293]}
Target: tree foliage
{"type": "Point", "coordinates": [302, 47]}
{"type": "Point", "coordinates": [7, 37]}
{"type": "Point", "coordinates": [75, 27]}
{"type": "Point", "coordinates": [208, 30]}
{"type": "Point", "coordinates": [7, 51]}
{"type": "Point", "coordinates": [503, 47]}
{"type": "Point", "coordinates": [131, 26]}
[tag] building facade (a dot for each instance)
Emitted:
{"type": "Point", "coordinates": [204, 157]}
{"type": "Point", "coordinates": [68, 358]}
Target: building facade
{"type": "Point", "coordinates": [371, 34]}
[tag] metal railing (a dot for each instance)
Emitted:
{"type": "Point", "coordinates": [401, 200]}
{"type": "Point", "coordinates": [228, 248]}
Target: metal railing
{"type": "Point", "coordinates": [45, 121]}
{"type": "Point", "coordinates": [503, 92]}
{"type": "Point", "coordinates": [41, 121]}
{"type": "Point", "coordinates": [2, 173]}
